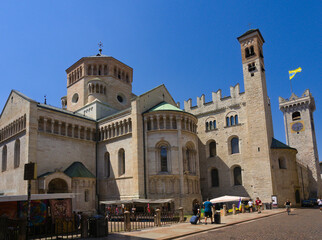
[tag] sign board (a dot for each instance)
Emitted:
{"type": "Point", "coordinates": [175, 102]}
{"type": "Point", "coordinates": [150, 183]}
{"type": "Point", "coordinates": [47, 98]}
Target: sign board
{"type": "Point", "coordinates": [274, 201]}
{"type": "Point", "coordinates": [30, 171]}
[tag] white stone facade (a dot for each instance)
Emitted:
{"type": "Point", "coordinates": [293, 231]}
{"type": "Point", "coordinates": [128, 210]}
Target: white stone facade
{"type": "Point", "coordinates": [131, 147]}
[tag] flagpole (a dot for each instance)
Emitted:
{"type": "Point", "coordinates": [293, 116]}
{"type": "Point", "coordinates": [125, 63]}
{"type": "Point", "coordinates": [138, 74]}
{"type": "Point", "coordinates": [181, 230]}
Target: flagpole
{"type": "Point", "coordinates": [291, 86]}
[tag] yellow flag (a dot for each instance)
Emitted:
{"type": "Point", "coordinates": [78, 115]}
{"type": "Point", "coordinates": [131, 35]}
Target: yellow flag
{"type": "Point", "coordinates": [293, 72]}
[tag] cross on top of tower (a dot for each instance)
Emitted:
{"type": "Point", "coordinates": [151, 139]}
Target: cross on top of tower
{"type": "Point", "coordinates": [100, 44]}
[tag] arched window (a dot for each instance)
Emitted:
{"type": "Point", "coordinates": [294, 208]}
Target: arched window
{"type": "Point", "coordinates": [210, 125]}
{"type": "Point", "coordinates": [237, 176]}
{"type": "Point", "coordinates": [251, 51]}
{"type": "Point", "coordinates": [107, 165]}
{"type": "Point", "coordinates": [207, 126]}
{"type": "Point", "coordinates": [164, 159]}
{"type": "Point", "coordinates": [296, 116]}
{"type": "Point", "coordinates": [247, 52]}
{"type": "Point", "coordinates": [121, 161]}
{"type": "Point", "coordinates": [214, 178]}
{"type": "Point", "coordinates": [212, 149]}
{"type": "Point", "coordinates": [236, 119]}
{"type": "Point", "coordinates": [232, 122]}
{"type": "Point", "coordinates": [227, 122]}
{"type": "Point", "coordinates": [86, 195]}
{"type": "Point", "coordinates": [234, 145]}
{"type": "Point", "coordinates": [57, 185]}
{"type": "Point", "coordinates": [214, 124]}
{"type": "Point", "coordinates": [4, 158]}
{"type": "Point", "coordinates": [281, 163]}
{"type": "Point", "coordinates": [188, 159]}
{"type": "Point", "coordinates": [17, 154]}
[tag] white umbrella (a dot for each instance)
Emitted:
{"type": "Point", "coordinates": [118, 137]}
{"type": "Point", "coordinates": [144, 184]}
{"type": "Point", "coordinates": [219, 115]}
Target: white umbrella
{"type": "Point", "coordinates": [227, 198]}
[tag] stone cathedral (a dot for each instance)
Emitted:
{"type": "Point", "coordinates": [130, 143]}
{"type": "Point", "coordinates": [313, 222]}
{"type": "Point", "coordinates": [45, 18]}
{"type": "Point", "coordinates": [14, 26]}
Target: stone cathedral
{"type": "Point", "coordinates": [106, 143]}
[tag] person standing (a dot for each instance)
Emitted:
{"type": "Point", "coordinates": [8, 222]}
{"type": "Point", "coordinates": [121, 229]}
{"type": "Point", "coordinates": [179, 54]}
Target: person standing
{"type": "Point", "coordinates": [195, 209]}
{"type": "Point", "coordinates": [258, 203]}
{"type": "Point", "coordinates": [250, 204]}
{"type": "Point", "coordinates": [288, 205]}
{"type": "Point", "coordinates": [320, 204]}
{"type": "Point", "coordinates": [208, 210]}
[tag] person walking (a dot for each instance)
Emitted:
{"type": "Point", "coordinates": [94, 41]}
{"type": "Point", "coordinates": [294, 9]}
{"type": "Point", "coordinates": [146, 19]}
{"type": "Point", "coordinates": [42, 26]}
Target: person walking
{"type": "Point", "coordinates": [208, 210]}
{"type": "Point", "coordinates": [288, 205]}
{"type": "Point", "coordinates": [259, 204]}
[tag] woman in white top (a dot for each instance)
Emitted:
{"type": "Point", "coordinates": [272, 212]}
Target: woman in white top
{"type": "Point", "coordinates": [250, 204]}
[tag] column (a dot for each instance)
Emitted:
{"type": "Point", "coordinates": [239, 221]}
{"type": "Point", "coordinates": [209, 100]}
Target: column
{"type": "Point", "coordinates": [152, 123]}
{"type": "Point", "coordinates": [91, 134]}
{"type": "Point", "coordinates": [66, 129]}
{"type": "Point", "coordinates": [158, 121]}
{"type": "Point", "coordinates": [59, 127]}
{"type": "Point", "coordinates": [45, 124]}
{"type": "Point", "coordinates": [78, 132]}
{"type": "Point", "coordinates": [85, 133]}
{"type": "Point", "coordinates": [73, 129]}
{"type": "Point", "coordinates": [124, 126]}
{"type": "Point", "coordinates": [52, 126]}
{"type": "Point", "coordinates": [145, 124]}
{"type": "Point", "coordinates": [178, 120]}
{"type": "Point", "coordinates": [164, 122]}
{"type": "Point", "coordinates": [171, 122]}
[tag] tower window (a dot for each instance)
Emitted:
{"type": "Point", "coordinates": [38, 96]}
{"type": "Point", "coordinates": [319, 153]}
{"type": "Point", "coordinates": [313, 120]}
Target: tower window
{"type": "Point", "coordinates": [251, 67]}
{"type": "Point", "coordinates": [249, 51]}
{"type": "Point", "coordinates": [296, 116]}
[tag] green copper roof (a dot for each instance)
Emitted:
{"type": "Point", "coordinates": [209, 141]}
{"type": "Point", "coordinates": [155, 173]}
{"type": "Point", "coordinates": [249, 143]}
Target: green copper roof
{"type": "Point", "coordinates": [77, 169]}
{"type": "Point", "coordinates": [279, 145]}
{"type": "Point", "coordinates": [164, 106]}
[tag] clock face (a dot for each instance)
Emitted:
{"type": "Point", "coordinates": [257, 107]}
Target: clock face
{"type": "Point", "coordinates": [296, 127]}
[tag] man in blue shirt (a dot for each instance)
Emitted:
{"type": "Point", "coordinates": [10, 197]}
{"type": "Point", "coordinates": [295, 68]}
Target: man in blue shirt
{"type": "Point", "coordinates": [208, 210]}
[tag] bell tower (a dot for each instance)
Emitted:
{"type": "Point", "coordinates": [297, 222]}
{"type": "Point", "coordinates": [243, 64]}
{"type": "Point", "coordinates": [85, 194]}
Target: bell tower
{"type": "Point", "coordinates": [259, 119]}
{"type": "Point", "coordinates": [300, 134]}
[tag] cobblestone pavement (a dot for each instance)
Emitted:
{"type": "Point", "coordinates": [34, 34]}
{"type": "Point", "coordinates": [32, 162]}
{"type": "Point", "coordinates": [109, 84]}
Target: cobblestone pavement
{"type": "Point", "coordinates": [300, 224]}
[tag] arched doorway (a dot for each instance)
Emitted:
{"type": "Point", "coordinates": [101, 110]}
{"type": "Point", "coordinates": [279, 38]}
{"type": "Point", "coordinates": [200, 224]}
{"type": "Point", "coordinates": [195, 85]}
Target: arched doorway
{"type": "Point", "coordinates": [297, 196]}
{"type": "Point", "coordinates": [57, 185]}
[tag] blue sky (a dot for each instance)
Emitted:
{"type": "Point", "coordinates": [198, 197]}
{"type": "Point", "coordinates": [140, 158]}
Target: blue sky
{"type": "Point", "coordinates": [190, 46]}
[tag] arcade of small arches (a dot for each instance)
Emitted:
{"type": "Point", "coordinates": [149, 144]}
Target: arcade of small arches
{"type": "Point", "coordinates": [75, 75]}
{"type": "Point", "coordinates": [232, 120]}
{"type": "Point", "coordinates": [16, 156]}
{"type": "Point", "coordinates": [115, 129]}
{"type": "Point", "coordinates": [13, 128]}
{"type": "Point", "coordinates": [61, 128]}
{"type": "Point", "coordinates": [97, 70]}
{"type": "Point", "coordinates": [168, 121]}
{"type": "Point", "coordinates": [304, 104]}
{"type": "Point", "coordinates": [96, 88]}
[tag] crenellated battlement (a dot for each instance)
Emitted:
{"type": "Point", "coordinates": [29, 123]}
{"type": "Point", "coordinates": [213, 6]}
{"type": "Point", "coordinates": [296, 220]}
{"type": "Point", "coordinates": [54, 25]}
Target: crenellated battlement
{"type": "Point", "coordinates": [218, 102]}
{"type": "Point", "coordinates": [295, 101]}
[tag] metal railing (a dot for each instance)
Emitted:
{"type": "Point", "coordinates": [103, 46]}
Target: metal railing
{"type": "Point", "coordinates": [57, 229]}
{"type": "Point", "coordinates": [142, 220]}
